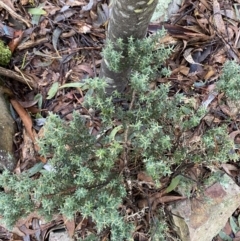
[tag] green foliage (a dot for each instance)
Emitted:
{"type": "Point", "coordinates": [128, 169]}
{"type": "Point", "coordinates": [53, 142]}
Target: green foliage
{"type": "Point", "coordinates": [147, 128]}
{"type": "Point", "coordinates": [5, 54]}
{"type": "Point", "coordinates": [16, 201]}
{"type": "Point", "coordinates": [229, 82]}
{"type": "Point", "coordinates": [74, 183]}
{"type": "Point", "coordinates": [158, 227]}
{"type": "Point", "coordinates": [142, 56]}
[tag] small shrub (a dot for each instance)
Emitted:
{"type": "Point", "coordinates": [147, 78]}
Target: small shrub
{"type": "Point", "coordinates": [145, 128]}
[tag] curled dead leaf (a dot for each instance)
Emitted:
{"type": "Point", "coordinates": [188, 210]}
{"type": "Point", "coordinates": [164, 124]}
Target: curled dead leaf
{"type": "Point", "coordinates": [142, 176]}
{"type": "Point", "coordinates": [233, 134]}
{"type": "Point", "coordinates": [16, 40]}
{"type": "Point", "coordinates": [187, 55]}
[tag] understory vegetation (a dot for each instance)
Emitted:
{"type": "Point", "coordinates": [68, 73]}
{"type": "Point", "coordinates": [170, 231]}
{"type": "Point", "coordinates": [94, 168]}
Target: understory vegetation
{"type": "Point", "coordinates": [149, 128]}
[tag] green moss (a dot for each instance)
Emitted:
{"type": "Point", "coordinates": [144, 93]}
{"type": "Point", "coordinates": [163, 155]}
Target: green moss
{"type": "Point", "coordinates": [5, 54]}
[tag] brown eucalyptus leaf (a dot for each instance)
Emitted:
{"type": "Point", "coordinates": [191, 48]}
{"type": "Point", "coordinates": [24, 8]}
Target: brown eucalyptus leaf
{"type": "Point", "coordinates": [228, 168]}
{"type": "Point", "coordinates": [70, 225]}
{"type": "Point", "coordinates": [26, 119]}
{"type": "Point", "coordinates": [74, 3]}
{"type": "Point", "coordinates": [218, 20]}
{"type": "Point", "coordinates": [142, 176]}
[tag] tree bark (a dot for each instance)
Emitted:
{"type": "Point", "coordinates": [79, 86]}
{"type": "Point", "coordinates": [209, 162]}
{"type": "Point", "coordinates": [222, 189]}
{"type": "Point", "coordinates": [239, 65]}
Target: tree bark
{"type": "Point", "coordinates": [128, 18]}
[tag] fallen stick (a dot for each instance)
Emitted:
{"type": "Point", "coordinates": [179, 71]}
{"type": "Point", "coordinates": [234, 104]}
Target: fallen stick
{"type": "Point", "coordinates": [23, 79]}
{"type": "Point", "coordinates": [13, 14]}
{"type": "Point", "coordinates": [31, 43]}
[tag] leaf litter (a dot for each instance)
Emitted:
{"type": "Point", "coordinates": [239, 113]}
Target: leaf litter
{"type": "Point", "coordinates": [59, 45]}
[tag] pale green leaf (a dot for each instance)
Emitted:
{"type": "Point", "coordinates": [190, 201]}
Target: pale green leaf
{"type": "Point", "coordinates": [83, 86]}
{"type": "Point", "coordinates": [40, 100]}
{"type": "Point", "coordinates": [35, 169]}
{"type": "Point", "coordinates": [175, 181]}
{"type": "Point", "coordinates": [37, 11]}
{"type": "Point", "coordinates": [52, 91]}
{"type": "Point", "coordinates": [114, 132]}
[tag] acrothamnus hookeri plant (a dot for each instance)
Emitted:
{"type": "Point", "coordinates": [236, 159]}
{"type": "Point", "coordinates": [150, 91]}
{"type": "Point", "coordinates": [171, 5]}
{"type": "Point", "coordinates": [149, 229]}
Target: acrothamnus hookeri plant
{"type": "Point", "coordinates": [148, 128]}
{"type": "Point", "coordinates": [229, 81]}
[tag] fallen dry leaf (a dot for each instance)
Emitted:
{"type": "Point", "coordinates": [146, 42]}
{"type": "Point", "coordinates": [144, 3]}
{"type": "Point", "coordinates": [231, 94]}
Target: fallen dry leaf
{"type": "Point", "coordinates": [24, 2]}
{"type": "Point", "coordinates": [26, 230]}
{"type": "Point", "coordinates": [225, 109]}
{"type": "Point", "coordinates": [83, 68]}
{"type": "Point", "coordinates": [210, 72]}
{"type": "Point", "coordinates": [16, 40]}
{"type": "Point", "coordinates": [88, 6]}
{"type": "Point", "coordinates": [218, 20]}
{"type": "Point", "coordinates": [228, 168]}
{"type": "Point", "coordinates": [233, 134]}
{"type": "Point", "coordinates": [158, 199]}
{"type": "Point", "coordinates": [82, 27]}
{"type": "Point", "coordinates": [70, 225]}
{"type": "Point", "coordinates": [142, 176]}
{"type": "Point", "coordinates": [187, 55]}
{"type": "Point", "coordinates": [74, 3]}
{"type": "Point", "coordinates": [26, 119]}
{"type": "Point", "coordinates": [9, 3]}
{"type": "Point", "coordinates": [27, 148]}
{"type": "Point", "coordinates": [27, 104]}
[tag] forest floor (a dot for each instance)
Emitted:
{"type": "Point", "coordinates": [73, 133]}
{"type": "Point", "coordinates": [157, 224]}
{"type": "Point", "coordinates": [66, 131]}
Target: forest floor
{"type": "Point", "coordinates": [60, 42]}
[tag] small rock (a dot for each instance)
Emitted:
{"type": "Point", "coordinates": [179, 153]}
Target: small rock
{"type": "Point", "coordinates": [59, 236]}
{"type": "Point", "coordinates": [201, 218]}
{"type": "Point", "coordinates": [7, 131]}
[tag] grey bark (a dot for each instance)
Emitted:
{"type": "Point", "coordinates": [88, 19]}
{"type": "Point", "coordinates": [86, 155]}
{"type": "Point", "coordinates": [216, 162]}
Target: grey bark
{"type": "Point", "coordinates": [128, 18]}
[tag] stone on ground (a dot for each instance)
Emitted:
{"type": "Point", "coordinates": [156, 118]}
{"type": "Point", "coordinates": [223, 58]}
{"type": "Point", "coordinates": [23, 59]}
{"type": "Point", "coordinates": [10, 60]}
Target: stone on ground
{"type": "Point", "coordinates": [201, 218]}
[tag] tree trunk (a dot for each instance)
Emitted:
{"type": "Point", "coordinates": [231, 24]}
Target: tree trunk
{"type": "Point", "coordinates": [128, 18]}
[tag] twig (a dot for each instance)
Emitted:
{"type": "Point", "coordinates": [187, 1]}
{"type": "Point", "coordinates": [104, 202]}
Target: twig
{"type": "Point", "coordinates": [125, 154]}
{"type": "Point", "coordinates": [183, 15]}
{"type": "Point", "coordinates": [30, 44]}
{"type": "Point", "coordinates": [133, 99]}
{"type": "Point", "coordinates": [94, 65]}
{"type": "Point", "coordinates": [13, 14]}
{"type": "Point", "coordinates": [25, 79]}
{"type": "Point", "coordinates": [80, 48]}
{"type": "Point", "coordinates": [13, 75]}
{"type": "Point", "coordinates": [127, 130]}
